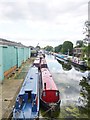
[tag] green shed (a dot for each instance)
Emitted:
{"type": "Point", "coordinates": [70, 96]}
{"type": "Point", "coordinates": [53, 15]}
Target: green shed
{"type": "Point", "coordinates": [12, 55]}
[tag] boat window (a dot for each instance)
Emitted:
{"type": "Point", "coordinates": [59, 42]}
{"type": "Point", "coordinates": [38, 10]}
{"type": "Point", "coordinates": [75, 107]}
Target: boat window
{"type": "Point", "coordinates": [20, 100]}
{"type": "Point", "coordinates": [44, 94]}
{"type": "Point", "coordinates": [56, 93]}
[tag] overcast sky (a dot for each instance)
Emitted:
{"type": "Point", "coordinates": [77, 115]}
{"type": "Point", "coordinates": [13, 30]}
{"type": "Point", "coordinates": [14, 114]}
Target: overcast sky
{"type": "Point", "coordinates": [47, 22]}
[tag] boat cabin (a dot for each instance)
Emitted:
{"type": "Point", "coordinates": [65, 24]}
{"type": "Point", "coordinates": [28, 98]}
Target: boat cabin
{"type": "Point", "coordinates": [37, 62]}
{"type": "Point", "coordinates": [43, 63]}
{"type": "Point", "coordinates": [50, 93]}
{"type": "Point", "coordinates": [83, 63]}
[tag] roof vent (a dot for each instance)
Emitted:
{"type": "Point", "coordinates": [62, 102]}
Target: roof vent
{"type": "Point", "coordinates": [31, 77]}
{"type": "Point", "coordinates": [44, 85]}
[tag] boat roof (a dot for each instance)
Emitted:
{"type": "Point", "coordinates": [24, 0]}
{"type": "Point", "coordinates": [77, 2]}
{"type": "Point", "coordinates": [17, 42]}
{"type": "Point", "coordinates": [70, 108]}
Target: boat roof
{"type": "Point", "coordinates": [47, 78]}
{"type": "Point", "coordinates": [31, 81]}
{"type": "Point", "coordinates": [37, 60]}
{"type": "Point", "coordinates": [43, 61]}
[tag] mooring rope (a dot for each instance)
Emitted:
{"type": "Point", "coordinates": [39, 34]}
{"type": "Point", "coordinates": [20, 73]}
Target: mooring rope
{"type": "Point", "coordinates": [51, 108]}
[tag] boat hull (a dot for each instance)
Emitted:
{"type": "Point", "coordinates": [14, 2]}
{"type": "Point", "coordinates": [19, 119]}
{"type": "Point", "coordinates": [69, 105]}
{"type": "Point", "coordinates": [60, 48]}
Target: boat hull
{"type": "Point", "coordinates": [50, 106]}
{"type": "Point", "coordinates": [83, 67]}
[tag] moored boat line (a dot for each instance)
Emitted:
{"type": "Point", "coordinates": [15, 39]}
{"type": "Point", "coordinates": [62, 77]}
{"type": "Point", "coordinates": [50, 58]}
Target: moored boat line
{"type": "Point", "coordinates": [37, 86]}
{"type": "Point", "coordinates": [74, 61]}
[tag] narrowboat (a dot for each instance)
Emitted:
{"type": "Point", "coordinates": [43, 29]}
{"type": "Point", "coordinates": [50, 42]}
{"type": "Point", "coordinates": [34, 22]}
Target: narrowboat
{"type": "Point", "coordinates": [43, 63]}
{"type": "Point", "coordinates": [27, 101]}
{"type": "Point", "coordinates": [61, 60]}
{"type": "Point", "coordinates": [61, 56]}
{"type": "Point", "coordinates": [81, 64]}
{"type": "Point", "coordinates": [37, 62]}
{"type": "Point", "coordinates": [50, 95]}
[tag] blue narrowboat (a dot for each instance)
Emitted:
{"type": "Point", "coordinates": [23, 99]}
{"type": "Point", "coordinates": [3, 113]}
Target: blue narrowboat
{"type": "Point", "coordinates": [27, 101]}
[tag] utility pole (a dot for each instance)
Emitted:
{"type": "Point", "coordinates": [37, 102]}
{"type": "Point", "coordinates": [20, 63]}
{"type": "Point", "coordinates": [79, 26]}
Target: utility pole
{"type": "Point", "coordinates": [89, 22]}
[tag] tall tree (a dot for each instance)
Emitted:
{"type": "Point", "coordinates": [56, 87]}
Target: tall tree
{"type": "Point", "coordinates": [87, 32]}
{"type": "Point", "coordinates": [85, 96]}
{"type": "Point", "coordinates": [67, 47]}
{"type": "Point", "coordinates": [48, 48]}
{"type": "Point", "coordinates": [79, 43]}
{"type": "Point", "coordinates": [58, 48]}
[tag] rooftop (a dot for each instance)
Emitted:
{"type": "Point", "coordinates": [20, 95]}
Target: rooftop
{"type": "Point", "coordinates": [10, 43]}
{"type": "Point", "coordinates": [47, 78]}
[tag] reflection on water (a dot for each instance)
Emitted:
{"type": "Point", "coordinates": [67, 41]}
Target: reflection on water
{"type": "Point", "coordinates": [49, 114]}
{"type": "Point", "coordinates": [65, 65]}
{"type": "Point", "coordinates": [71, 87]}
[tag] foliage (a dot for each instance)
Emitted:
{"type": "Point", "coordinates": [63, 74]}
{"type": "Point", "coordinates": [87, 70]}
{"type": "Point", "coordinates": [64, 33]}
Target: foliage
{"type": "Point", "coordinates": [48, 48]}
{"type": "Point", "coordinates": [67, 47]}
{"type": "Point", "coordinates": [86, 50]}
{"type": "Point", "coordinates": [58, 48]}
{"type": "Point", "coordinates": [38, 47]}
{"type": "Point", "coordinates": [85, 92]}
{"type": "Point", "coordinates": [87, 32]}
{"type": "Point", "coordinates": [79, 43]}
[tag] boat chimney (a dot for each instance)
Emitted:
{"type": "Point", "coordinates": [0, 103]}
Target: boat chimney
{"type": "Point", "coordinates": [40, 59]}
{"type": "Point", "coordinates": [44, 85]}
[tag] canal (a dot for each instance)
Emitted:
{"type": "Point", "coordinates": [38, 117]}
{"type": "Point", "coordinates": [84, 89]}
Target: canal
{"type": "Point", "coordinates": [74, 90]}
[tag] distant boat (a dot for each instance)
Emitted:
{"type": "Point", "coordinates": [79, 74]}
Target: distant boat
{"type": "Point", "coordinates": [40, 62]}
{"type": "Point", "coordinates": [43, 63]}
{"type": "Point", "coordinates": [80, 64]}
{"type": "Point", "coordinates": [62, 56]}
{"type": "Point", "coordinates": [27, 101]}
{"type": "Point", "coordinates": [37, 62]}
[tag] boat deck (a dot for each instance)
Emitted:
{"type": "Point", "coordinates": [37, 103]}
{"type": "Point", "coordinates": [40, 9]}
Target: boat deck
{"type": "Point", "coordinates": [26, 112]}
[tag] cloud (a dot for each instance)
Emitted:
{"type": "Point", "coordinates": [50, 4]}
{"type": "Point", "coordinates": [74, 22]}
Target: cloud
{"type": "Point", "coordinates": [43, 20]}
{"type": "Point", "coordinates": [39, 10]}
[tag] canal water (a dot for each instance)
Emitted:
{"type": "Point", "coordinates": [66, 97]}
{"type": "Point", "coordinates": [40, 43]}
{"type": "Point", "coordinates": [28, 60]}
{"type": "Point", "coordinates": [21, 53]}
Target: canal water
{"type": "Point", "coordinates": [74, 90]}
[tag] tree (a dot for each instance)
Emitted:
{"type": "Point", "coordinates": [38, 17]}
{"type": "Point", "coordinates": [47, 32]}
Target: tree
{"type": "Point", "coordinates": [67, 47]}
{"type": "Point", "coordinates": [58, 48]}
{"type": "Point", "coordinates": [37, 47]}
{"type": "Point", "coordinates": [87, 32]}
{"type": "Point", "coordinates": [79, 43]}
{"type": "Point", "coordinates": [48, 48]}
{"type": "Point", "coordinates": [85, 96]}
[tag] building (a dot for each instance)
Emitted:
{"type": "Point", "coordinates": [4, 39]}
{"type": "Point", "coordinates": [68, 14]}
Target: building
{"type": "Point", "coordinates": [77, 52]}
{"type": "Point", "coordinates": [12, 55]}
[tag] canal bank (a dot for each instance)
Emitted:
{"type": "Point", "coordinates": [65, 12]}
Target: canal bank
{"type": "Point", "coordinates": [10, 88]}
